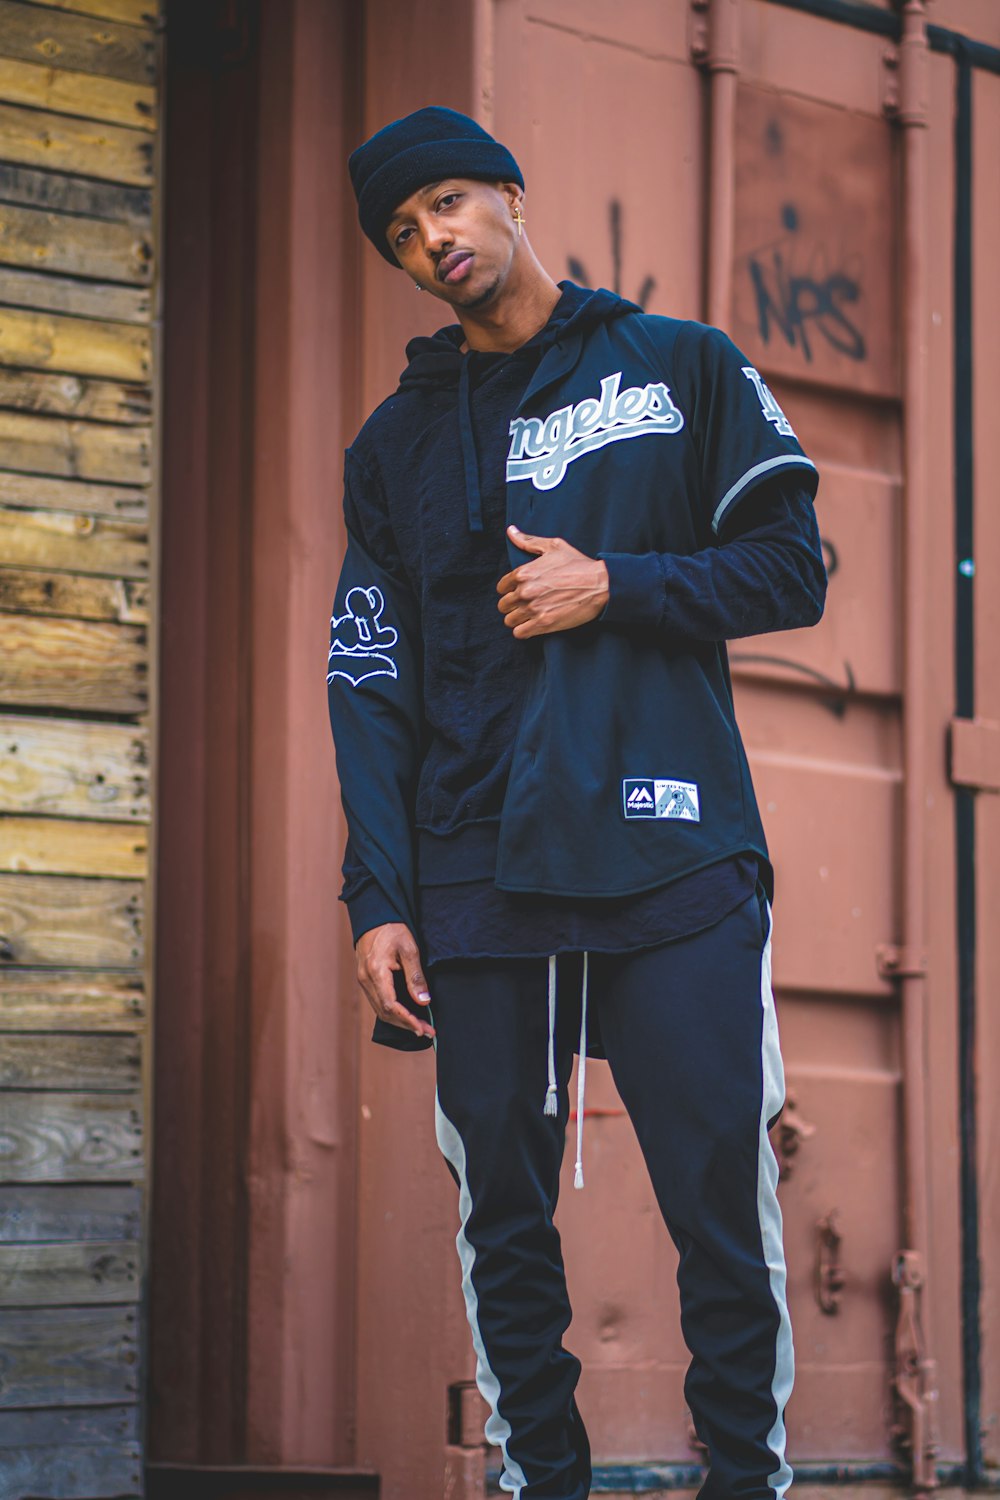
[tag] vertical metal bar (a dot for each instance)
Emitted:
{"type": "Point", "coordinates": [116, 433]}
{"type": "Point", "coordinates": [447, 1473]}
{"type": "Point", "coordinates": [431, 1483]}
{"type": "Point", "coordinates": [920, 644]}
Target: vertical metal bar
{"type": "Point", "coordinates": [965, 805]}
{"type": "Point", "coordinates": [722, 64]}
{"type": "Point", "coordinates": [915, 1372]}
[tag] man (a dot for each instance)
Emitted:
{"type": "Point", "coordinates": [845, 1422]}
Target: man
{"type": "Point", "coordinates": [554, 524]}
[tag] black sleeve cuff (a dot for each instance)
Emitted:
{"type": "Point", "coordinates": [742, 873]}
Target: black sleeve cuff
{"type": "Point", "coordinates": [635, 588]}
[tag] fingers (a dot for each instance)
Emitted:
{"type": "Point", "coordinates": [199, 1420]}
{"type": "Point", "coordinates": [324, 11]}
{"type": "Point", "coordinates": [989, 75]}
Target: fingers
{"type": "Point", "coordinates": [391, 950]}
{"type": "Point", "coordinates": [529, 543]}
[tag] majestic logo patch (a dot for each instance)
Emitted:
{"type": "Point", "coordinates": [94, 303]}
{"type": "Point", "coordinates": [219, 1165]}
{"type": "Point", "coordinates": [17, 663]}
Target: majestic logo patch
{"type": "Point", "coordinates": [645, 798]}
{"type": "Point", "coordinates": [542, 448]}
{"type": "Point", "coordinates": [768, 405]}
{"type": "Point", "coordinates": [359, 645]}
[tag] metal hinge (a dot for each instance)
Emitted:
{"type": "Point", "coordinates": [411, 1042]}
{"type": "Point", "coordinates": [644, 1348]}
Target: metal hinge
{"type": "Point", "coordinates": [914, 1376]}
{"type": "Point", "coordinates": [698, 31]}
{"type": "Point", "coordinates": [894, 962]}
{"type": "Point", "coordinates": [974, 754]}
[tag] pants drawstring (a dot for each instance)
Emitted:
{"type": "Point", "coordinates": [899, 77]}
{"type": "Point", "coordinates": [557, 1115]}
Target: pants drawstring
{"type": "Point", "coordinates": [581, 1079]}
{"type": "Point", "coordinates": [551, 1093]}
{"type": "Point", "coordinates": [551, 1101]}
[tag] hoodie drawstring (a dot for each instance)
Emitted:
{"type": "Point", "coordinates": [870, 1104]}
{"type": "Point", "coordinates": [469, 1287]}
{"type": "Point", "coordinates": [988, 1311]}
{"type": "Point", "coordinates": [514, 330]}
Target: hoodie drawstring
{"type": "Point", "coordinates": [470, 458]}
{"type": "Point", "coordinates": [551, 1106]}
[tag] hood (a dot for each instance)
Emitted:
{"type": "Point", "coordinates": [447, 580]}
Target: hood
{"type": "Point", "coordinates": [435, 361]}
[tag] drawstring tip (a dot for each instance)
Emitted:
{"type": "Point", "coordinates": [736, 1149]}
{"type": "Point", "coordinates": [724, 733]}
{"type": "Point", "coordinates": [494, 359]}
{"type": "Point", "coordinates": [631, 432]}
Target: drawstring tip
{"type": "Point", "coordinates": [578, 1175]}
{"type": "Point", "coordinates": [551, 1102]}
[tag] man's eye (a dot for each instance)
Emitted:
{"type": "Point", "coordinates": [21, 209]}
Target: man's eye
{"type": "Point", "coordinates": [448, 198]}
{"type": "Point", "coordinates": [399, 238]}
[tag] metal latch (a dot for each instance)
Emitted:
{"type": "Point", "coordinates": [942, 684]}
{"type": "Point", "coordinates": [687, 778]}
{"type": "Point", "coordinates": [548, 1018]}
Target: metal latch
{"type": "Point", "coordinates": [791, 1130]}
{"type": "Point", "coordinates": [829, 1272]}
{"type": "Point", "coordinates": [894, 962]}
{"type": "Point", "coordinates": [914, 1378]}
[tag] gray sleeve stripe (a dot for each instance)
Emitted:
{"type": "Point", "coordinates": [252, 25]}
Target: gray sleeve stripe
{"type": "Point", "coordinates": [751, 474]}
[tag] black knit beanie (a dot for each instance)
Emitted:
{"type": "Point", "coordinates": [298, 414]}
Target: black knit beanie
{"type": "Point", "coordinates": [406, 154]}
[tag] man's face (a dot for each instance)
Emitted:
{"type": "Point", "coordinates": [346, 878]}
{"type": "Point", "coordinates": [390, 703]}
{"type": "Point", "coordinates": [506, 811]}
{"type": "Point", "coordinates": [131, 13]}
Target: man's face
{"type": "Point", "coordinates": [457, 238]}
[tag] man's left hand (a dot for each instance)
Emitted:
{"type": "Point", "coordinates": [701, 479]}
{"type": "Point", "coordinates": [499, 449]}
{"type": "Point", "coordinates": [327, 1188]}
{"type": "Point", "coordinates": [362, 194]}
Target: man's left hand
{"type": "Point", "coordinates": [558, 589]}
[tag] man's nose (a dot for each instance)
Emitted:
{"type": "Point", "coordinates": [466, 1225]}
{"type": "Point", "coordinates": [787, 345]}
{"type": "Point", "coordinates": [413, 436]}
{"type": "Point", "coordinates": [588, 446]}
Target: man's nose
{"type": "Point", "coordinates": [438, 238]}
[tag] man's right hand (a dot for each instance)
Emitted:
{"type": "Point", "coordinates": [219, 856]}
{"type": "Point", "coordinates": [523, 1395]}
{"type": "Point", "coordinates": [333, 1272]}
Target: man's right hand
{"type": "Point", "coordinates": [380, 951]}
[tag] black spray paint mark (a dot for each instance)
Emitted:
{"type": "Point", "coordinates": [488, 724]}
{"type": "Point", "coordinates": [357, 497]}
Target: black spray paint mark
{"type": "Point", "coordinates": [578, 272]}
{"type": "Point", "coordinates": [837, 694]}
{"type": "Point", "coordinates": [794, 299]}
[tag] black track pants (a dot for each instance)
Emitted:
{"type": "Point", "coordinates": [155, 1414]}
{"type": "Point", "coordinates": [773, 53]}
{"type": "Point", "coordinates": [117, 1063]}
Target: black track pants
{"type": "Point", "coordinates": [691, 1038]}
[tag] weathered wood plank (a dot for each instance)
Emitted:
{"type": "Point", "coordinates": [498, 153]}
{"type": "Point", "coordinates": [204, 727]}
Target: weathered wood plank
{"type": "Point", "coordinates": [63, 41]}
{"type": "Point", "coordinates": [85, 1426]}
{"type": "Point", "coordinates": [69, 395]}
{"type": "Point", "coordinates": [66, 539]}
{"type": "Point", "coordinates": [45, 241]}
{"type": "Point", "coordinates": [50, 1000]}
{"type": "Point", "coordinates": [73, 768]}
{"type": "Point", "coordinates": [81, 664]}
{"type": "Point", "coordinates": [113, 201]}
{"type": "Point", "coordinates": [39, 138]}
{"type": "Point", "coordinates": [76, 1061]}
{"type": "Point", "coordinates": [84, 299]}
{"type": "Point", "coordinates": [72, 93]}
{"type": "Point", "coordinates": [64, 1275]}
{"type": "Point", "coordinates": [42, 492]}
{"type": "Point", "coordinates": [68, 1355]}
{"type": "Point", "coordinates": [57, 919]}
{"type": "Point", "coordinates": [30, 1212]}
{"type": "Point", "coordinates": [78, 450]}
{"type": "Point", "coordinates": [34, 592]}
{"type": "Point", "coordinates": [72, 846]}
{"type": "Point", "coordinates": [71, 1473]}
{"type": "Point", "coordinates": [128, 12]}
{"type": "Point", "coordinates": [70, 1137]}
{"type": "Point", "coordinates": [80, 346]}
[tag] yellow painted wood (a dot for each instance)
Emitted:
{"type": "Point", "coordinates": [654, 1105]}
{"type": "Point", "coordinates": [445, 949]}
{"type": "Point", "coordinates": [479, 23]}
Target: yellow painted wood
{"type": "Point", "coordinates": [88, 94]}
{"type": "Point", "coordinates": [70, 1000]}
{"type": "Point", "coordinates": [33, 591]}
{"type": "Point", "coordinates": [63, 143]}
{"type": "Point", "coordinates": [62, 919]}
{"type": "Point", "coordinates": [84, 299]}
{"type": "Point", "coordinates": [74, 768]}
{"type": "Point", "coordinates": [66, 539]}
{"type": "Point", "coordinates": [83, 450]}
{"type": "Point", "coordinates": [84, 346]}
{"type": "Point", "coordinates": [67, 846]}
{"type": "Point", "coordinates": [129, 12]}
{"type": "Point", "coordinates": [60, 1275]}
{"type": "Point", "coordinates": [41, 492]}
{"type": "Point", "coordinates": [79, 664]}
{"type": "Point", "coordinates": [46, 241]}
{"type": "Point", "coordinates": [72, 395]}
{"type": "Point", "coordinates": [78, 1061]}
{"type": "Point", "coordinates": [76, 43]}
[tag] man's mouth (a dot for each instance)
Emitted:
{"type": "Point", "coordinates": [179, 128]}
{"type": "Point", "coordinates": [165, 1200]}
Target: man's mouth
{"type": "Point", "coordinates": [454, 266]}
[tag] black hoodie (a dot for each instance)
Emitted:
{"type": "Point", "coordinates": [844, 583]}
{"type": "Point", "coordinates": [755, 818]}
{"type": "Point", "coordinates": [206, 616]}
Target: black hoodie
{"type": "Point", "coordinates": [433, 716]}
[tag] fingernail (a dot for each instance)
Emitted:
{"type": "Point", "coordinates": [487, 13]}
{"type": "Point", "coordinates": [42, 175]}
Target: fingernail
{"type": "Point", "coordinates": [423, 995]}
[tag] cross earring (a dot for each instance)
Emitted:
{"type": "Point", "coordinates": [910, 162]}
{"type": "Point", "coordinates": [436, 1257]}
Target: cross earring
{"type": "Point", "coordinates": [519, 218]}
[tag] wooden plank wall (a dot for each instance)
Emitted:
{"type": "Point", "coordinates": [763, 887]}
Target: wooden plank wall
{"type": "Point", "coordinates": [79, 333]}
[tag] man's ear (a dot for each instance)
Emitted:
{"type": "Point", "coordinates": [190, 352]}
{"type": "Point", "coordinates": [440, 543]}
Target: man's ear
{"type": "Point", "coordinates": [511, 191]}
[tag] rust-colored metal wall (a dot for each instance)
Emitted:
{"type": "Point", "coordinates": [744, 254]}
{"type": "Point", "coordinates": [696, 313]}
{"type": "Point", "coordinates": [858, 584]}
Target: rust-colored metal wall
{"type": "Point", "coordinates": [799, 181]}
